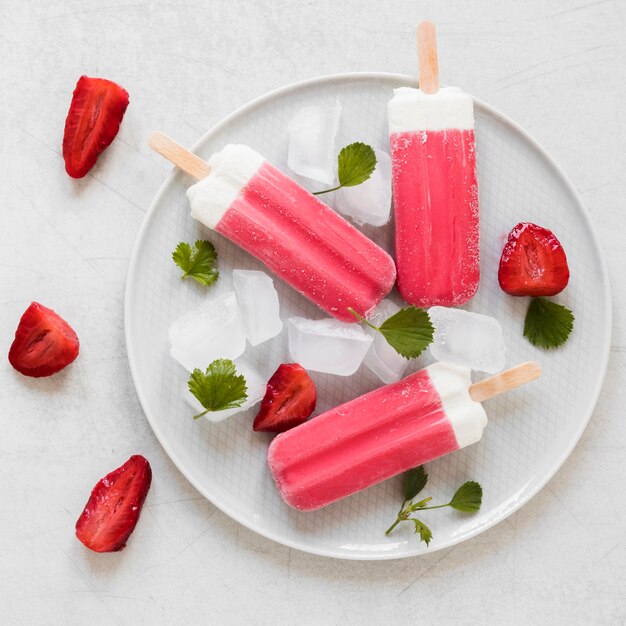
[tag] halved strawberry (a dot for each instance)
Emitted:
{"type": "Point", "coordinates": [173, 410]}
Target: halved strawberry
{"type": "Point", "coordinates": [44, 343]}
{"type": "Point", "coordinates": [290, 398]}
{"type": "Point", "coordinates": [96, 112]}
{"type": "Point", "coordinates": [533, 262]}
{"type": "Point", "coordinates": [112, 511]}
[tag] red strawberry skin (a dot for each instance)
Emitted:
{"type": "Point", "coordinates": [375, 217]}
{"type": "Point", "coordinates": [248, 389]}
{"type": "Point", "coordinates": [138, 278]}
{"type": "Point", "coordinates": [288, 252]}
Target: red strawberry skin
{"type": "Point", "coordinates": [44, 343]}
{"type": "Point", "coordinates": [112, 511]}
{"type": "Point", "coordinates": [96, 112]}
{"type": "Point", "coordinates": [289, 400]}
{"type": "Point", "coordinates": [533, 262]}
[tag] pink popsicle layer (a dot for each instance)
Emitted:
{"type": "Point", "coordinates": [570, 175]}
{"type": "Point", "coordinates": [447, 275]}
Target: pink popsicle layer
{"type": "Point", "coordinates": [375, 437]}
{"type": "Point", "coordinates": [291, 231]}
{"type": "Point", "coordinates": [436, 212]}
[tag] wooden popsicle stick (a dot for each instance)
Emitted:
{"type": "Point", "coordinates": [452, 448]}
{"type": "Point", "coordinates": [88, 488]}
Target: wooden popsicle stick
{"type": "Point", "coordinates": [505, 381]}
{"type": "Point", "coordinates": [179, 156]}
{"type": "Point", "coordinates": [427, 56]}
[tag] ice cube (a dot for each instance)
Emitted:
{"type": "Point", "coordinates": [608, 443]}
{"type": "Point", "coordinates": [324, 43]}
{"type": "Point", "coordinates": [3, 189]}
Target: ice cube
{"type": "Point", "coordinates": [312, 134]}
{"type": "Point", "coordinates": [258, 305]}
{"type": "Point", "coordinates": [327, 345]}
{"type": "Point", "coordinates": [468, 339]}
{"type": "Point", "coordinates": [256, 390]}
{"type": "Point", "coordinates": [381, 358]}
{"type": "Point", "coordinates": [214, 331]}
{"type": "Point", "coordinates": [369, 202]}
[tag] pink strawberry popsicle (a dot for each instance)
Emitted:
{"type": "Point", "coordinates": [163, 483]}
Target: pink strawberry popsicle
{"type": "Point", "coordinates": [292, 232]}
{"type": "Point", "coordinates": [385, 432]}
{"type": "Point", "coordinates": [435, 192]}
{"type": "Point", "coordinates": [376, 436]}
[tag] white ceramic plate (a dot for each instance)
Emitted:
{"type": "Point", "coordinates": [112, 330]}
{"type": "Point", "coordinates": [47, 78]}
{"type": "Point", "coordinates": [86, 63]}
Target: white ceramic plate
{"type": "Point", "coordinates": [531, 431]}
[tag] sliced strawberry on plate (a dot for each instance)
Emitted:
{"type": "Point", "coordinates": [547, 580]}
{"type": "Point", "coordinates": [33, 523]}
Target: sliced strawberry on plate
{"type": "Point", "coordinates": [96, 112]}
{"type": "Point", "coordinates": [112, 511]}
{"type": "Point", "coordinates": [44, 343]}
{"type": "Point", "coordinates": [533, 262]}
{"type": "Point", "coordinates": [290, 398]}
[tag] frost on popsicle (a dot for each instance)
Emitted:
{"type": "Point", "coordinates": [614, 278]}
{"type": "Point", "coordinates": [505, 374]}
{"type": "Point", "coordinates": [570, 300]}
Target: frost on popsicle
{"type": "Point", "coordinates": [211, 332]}
{"type": "Point", "coordinates": [469, 339]}
{"type": "Point", "coordinates": [258, 305]}
{"type": "Point", "coordinates": [327, 345]}
{"type": "Point", "coordinates": [312, 136]}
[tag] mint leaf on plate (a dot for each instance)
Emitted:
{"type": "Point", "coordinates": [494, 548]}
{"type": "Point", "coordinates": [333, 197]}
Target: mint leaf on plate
{"type": "Point", "coordinates": [414, 480]}
{"type": "Point", "coordinates": [199, 263]}
{"type": "Point", "coordinates": [409, 331]}
{"type": "Point", "coordinates": [355, 165]}
{"type": "Point", "coordinates": [422, 530]}
{"type": "Point", "coordinates": [468, 497]}
{"type": "Point", "coordinates": [219, 388]}
{"type": "Point", "coordinates": [547, 324]}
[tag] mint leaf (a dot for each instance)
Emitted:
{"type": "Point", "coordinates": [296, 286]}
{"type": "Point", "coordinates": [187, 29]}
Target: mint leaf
{"type": "Point", "coordinates": [199, 264]}
{"type": "Point", "coordinates": [355, 164]}
{"type": "Point", "coordinates": [409, 331]}
{"type": "Point", "coordinates": [547, 324]}
{"type": "Point", "coordinates": [414, 480]}
{"type": "Point", "coordinates": [219, 388]}
{"type": "Point", "coordinates": [468, 497]}
{"type": "Point", "coordinates": [423, 531]}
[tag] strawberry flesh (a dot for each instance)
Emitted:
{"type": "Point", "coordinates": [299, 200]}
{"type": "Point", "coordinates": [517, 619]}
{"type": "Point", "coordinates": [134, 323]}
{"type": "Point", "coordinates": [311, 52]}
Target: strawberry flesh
{"type": "Point", "coordinates": [289, 400]}
{"type": "Point", "coordinates": [44, 343]}
{"type": "Point", "coordinates": [112, 511]}
{"type": "Point", "coordinates": [96, 112]}
{"type": "Point", "coordinates": [533, 262]}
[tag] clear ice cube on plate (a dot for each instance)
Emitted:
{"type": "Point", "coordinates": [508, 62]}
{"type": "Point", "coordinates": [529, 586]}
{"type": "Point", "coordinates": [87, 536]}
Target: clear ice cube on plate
{"type": "Point", "coordinates": [369, 202]}
{"type": "Point", "coordinates": [258, 305]}
{"type": "Point", "coordinates": [381, 358]}
{"type": "Point", "coordinates": [213, 331]}
{"type": "Point", "coordinates": [256, 390]}
{"type": "Point", "coordinates": [312, 150]}
{"type": "Point", "coordinates": [469, 339]}
{"type": "Point", "coordinates": [327, 345]}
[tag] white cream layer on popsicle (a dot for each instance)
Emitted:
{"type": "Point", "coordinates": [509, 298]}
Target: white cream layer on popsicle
{"type": "Point", "coordinates": [231, 170]}
{"type": "Point", "coordinates": [413, 110]}
{"type": "Point", "coordinates": [468, 418]}
{"type": "Point", "coordinates": [298, 237]}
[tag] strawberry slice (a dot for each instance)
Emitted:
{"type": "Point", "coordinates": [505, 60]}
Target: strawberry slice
{"type": "Point", "coordinates": [95, 115]}
{"type": "Point", "coordinates": [533, 262]}
{"type": "Point", "coordinates": [44, 343]}
{"type": "Point", "coordinates": [290, 398]}
{"type": "Point", "coordinates": [112, 511]}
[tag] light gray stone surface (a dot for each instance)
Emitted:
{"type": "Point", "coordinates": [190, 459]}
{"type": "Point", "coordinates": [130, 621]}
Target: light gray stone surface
{"type": "Point", "coordinates": [556, 67]}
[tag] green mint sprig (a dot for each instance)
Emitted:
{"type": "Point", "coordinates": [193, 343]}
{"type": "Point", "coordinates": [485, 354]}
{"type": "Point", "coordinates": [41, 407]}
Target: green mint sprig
{"type": "Point", "coordinates": [200, 263]}
{"type": "Point", "coordinates": [467, 499]}
{"type": "Point", "coordinates": [219, 388]}
{"type": "Point", "coordinates": [409, 331]}
{"type": "Point", "coordinates": [355, 165]}
{"type": "Point", "coordinates": [547, 324]}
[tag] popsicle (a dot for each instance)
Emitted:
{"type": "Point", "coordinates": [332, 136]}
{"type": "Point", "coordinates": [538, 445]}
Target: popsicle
{"type": "Point", "coordinates": [430, 413]}
{"type": "Point", "coordinates": [435, 191]}
{"type": "Point", "coordinates": [298, 237]}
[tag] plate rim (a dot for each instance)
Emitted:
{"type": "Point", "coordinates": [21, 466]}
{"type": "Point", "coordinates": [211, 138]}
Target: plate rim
{"type": "Point", "coordinates": [333, 553]}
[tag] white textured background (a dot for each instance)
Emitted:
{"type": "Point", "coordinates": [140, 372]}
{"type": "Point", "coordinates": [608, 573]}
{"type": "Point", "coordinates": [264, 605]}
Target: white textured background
{"type": "Point", "coordinates": [557, 68]}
